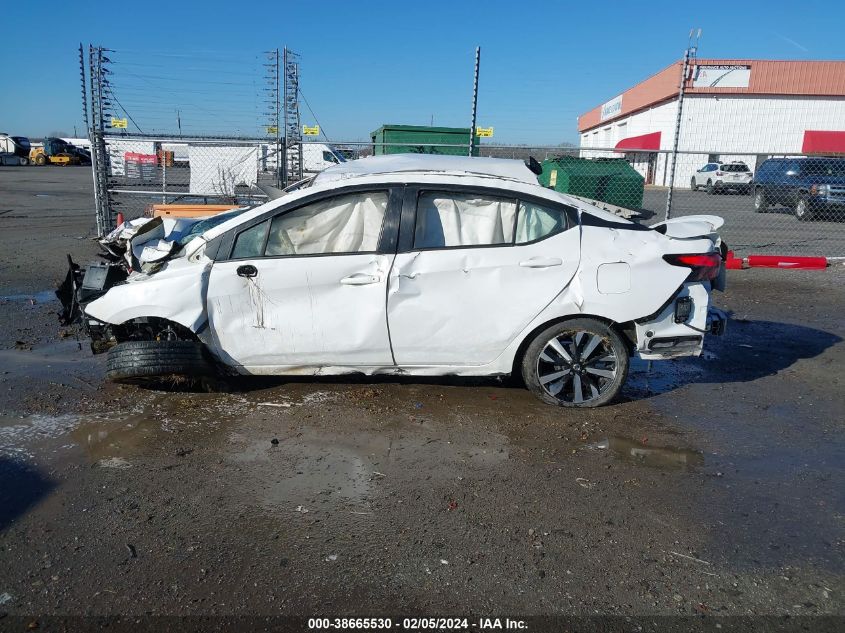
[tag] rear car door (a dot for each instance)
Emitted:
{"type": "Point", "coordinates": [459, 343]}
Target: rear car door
{"type": "Point", "coordinates": [474, 267]}
{"type": "Point", "coordinates": [306, 286]}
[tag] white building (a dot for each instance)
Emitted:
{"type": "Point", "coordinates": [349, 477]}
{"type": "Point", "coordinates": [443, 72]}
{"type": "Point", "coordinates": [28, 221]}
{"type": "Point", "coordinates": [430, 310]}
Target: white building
{"type": "Point", "coordinates": [744, 110]}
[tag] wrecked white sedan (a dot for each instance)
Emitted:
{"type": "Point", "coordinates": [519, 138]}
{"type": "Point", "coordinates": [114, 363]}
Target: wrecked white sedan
{"type": "Point", "coordinates": [421, 265]}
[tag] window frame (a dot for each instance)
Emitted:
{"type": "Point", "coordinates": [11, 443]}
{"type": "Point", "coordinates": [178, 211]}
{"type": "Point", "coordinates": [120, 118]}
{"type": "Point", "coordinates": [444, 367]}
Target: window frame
{"type": "Point", "coordinates": [387, 237]}
{"type": "Point", "coordinates": [408, 224]}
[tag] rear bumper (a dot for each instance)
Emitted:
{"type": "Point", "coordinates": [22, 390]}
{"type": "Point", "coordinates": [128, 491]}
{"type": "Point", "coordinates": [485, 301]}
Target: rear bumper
{"type": "Point", "coordinates": [669, 336]}
{"type": "Point", "coordinates": [728, 184]}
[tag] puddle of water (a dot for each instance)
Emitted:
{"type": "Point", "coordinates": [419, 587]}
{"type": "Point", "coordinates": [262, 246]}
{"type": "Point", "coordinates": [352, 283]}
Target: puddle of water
{"type": "Point", "coordinates": [658, 456]}
{"type": "Point", "coordinates": [18, 433]}
{"type": "Point", "coordinates": [665, 375]}
{"type": "Point", "coordinates": [42, 296]}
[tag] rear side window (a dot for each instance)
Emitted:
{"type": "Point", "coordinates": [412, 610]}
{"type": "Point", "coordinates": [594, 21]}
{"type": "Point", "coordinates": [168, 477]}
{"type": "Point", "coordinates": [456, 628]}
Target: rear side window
{"type": "Point", "coordinates": [446, 219]}
{"type": "Point", "coordinates": [735, 167]}
{"type": "Point", "coordinates": [536, 222]}
{"type": "Point", "coordinates": [769, 167]}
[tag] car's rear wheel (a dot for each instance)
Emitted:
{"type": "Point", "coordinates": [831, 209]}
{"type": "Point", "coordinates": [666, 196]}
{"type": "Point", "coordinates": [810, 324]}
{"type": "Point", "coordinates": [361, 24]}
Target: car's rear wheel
{"type": "Point", "coordinates": [155, 362]}
{"type": "Point", "coordinates": [577, 363]}
{"type": "Point", "coordinates": [709, 188]}
{"type": "Point", "coordinates": [761, 204]}
{"type": "Point", "coordinates": [802, 209]}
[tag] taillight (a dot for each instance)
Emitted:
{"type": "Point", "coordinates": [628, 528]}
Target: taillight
{"type": "Point", "coordinates": [720, 173]}
{"type": "Point", "coordinates": [703, 265]}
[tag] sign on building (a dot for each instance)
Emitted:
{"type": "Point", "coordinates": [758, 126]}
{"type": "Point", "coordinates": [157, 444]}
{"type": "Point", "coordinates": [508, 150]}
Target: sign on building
{"type": "Point", "coordinates": [611, 108]}
{"type": "Point", "coordinates": [726, 76]}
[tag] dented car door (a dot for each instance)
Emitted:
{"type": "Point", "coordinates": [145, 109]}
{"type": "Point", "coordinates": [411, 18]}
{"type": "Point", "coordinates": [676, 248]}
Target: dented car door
{"type": "Point", "coordinates": [306, 287]}
{"type": "Point", "coordinates": [473, 269]}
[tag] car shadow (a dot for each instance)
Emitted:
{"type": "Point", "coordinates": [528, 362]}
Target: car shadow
{"type": "Point", "coordinates": [21, 487]}
{"type": "Point", "coordinates": [750, 350]}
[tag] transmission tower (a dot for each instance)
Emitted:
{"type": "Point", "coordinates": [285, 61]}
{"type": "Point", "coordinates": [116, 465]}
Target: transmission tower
{"type": "Point", "coordinates": [293, 130]}
{"type": "Point", "coordinates": [274, 130]}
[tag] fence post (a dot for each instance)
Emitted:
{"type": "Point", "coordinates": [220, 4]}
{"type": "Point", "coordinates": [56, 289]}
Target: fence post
{"type": "Point", "coordinates": [684, 71]}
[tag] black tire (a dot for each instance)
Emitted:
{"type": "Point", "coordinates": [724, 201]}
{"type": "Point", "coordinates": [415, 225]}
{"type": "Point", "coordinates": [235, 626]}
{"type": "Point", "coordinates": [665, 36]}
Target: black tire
{"type": "Point", "coordinates": [761, 202]}
{"type": "Point", "coordinates": [692, 184]}
{"type": "Point", "coordinates": [803, 210]}
{"type": "Point", "coordinates": [709, 188]}
{"type": "Point", "coordinates": [150, 362]}
{"type": "Point", "coordinates": [541, 360]}
{"type": "Point", "coordinates": [41, 159]}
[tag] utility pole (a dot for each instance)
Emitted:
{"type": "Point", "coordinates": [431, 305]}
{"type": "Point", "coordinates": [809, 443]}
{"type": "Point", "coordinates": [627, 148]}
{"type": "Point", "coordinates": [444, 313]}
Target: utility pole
{"type": "Point", "coordinates": [474, 100]}
{"type": "Point", "coordinates": [689, 54]}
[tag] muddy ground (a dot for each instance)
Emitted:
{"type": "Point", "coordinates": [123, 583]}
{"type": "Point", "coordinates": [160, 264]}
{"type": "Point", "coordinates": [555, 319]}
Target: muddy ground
{"type": "Point", "coordinates": [715, 486]}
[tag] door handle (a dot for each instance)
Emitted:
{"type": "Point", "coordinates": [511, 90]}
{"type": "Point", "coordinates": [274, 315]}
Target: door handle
{"type": "Point", "coordinates": [247, 270]}
{"type": "Point", "coordinates": [541, 262]}
{"type": "Point", "coordinates": [359, 279]}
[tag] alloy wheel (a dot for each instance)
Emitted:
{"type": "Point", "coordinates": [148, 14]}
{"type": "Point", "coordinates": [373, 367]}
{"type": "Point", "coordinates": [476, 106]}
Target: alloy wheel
{"type": "Point", "coordinates": [576, 367]}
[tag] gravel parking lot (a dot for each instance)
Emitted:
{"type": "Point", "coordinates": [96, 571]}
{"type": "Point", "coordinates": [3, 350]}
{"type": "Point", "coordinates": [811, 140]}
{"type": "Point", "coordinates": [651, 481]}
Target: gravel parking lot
{"type": "Point", "coordinates": [714, 487]}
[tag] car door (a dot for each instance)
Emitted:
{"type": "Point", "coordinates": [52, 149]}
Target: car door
{"type": "Point", "coordinates": [305, 286]}
{"type": "Point", "coordinates": [474, 267]}
{"type": "Point", "coordinates": [792, 183]}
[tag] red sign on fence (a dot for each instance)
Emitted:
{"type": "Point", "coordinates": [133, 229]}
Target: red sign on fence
{"type": "Point", "coordinates": [144, 159]}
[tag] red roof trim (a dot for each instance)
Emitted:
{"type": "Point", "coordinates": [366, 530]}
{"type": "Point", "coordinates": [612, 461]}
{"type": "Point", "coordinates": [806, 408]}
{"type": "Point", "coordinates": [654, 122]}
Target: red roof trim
{"type": "Point", "coordinates": [823, 142]}
{"type": "Point", "coordinates": [643, 142]}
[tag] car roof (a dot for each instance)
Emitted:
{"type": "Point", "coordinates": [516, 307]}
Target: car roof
{"type": "Point", "coordinates": [428, 164]}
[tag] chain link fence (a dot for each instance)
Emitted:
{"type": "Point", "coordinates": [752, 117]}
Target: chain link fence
{"type": "Point", "coordinates": [771, 203]}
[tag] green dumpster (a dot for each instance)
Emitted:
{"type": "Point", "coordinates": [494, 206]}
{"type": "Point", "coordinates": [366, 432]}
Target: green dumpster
{"type": "Point", "coordinates": [421, 139]}
{"type": "Point", "coordinates": [610, 180]}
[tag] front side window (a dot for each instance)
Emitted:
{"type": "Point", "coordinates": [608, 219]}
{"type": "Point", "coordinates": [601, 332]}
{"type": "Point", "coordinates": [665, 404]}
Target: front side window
{"type": "Point", "coordinates": [536, 222]}
{"type": "Point", "coordinates": [344, 224]}
{"type": "Point", "coordinates": [250, 243]}
{"type": "Point", "coordinates": [456, 220]}
{"type": "Point", "coordinates": [329, 157]}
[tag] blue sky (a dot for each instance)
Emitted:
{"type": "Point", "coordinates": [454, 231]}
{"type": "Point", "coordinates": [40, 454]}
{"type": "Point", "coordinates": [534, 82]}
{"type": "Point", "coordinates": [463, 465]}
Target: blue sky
{"type": "Point", "coordinates": [368, 63]}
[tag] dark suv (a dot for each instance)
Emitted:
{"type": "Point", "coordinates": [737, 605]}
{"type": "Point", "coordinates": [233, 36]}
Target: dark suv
{"type": "Point", "coordinates": [808, 185]}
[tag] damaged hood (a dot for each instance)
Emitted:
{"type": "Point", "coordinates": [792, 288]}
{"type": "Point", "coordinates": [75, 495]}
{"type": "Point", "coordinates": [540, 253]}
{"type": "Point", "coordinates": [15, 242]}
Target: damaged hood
{"type": "Point", "coordinates": [146, 243]}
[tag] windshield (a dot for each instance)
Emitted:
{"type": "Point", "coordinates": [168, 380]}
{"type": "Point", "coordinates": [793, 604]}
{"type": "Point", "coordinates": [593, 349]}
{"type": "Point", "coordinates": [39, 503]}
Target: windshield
{"type": "Point", "coordinates": [835, 168]}
{"type": "Point", "coordinates": [209, 223]}
{"type": "Point", "coordinates": [735, 167]}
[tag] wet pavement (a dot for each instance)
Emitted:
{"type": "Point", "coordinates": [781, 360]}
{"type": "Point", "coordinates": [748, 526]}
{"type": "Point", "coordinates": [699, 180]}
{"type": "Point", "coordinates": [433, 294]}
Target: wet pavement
{"type": "Point", "coordinates": [714, 486]}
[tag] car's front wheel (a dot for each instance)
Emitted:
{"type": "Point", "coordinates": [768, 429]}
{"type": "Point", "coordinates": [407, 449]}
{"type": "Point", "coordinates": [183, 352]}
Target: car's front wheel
{"type": "Point", "coordinates": [802, 209]}
{"type": "Point", "coordinates": [577, 363]}
{"type": "Point", "coordinates": [151, 362]}
{"type": "Point", "coordinates": [761, 204]}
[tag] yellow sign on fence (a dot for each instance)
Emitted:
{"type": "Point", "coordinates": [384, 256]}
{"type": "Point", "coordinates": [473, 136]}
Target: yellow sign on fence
{"type": "Point", "coordinates": [484, 131]}
{"type": "Point", "coordinates": [119, 123]}
{"type": "Point", "coordinates": [272, 129]}
{"type": "Point", "coordinates": [311, 131]}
